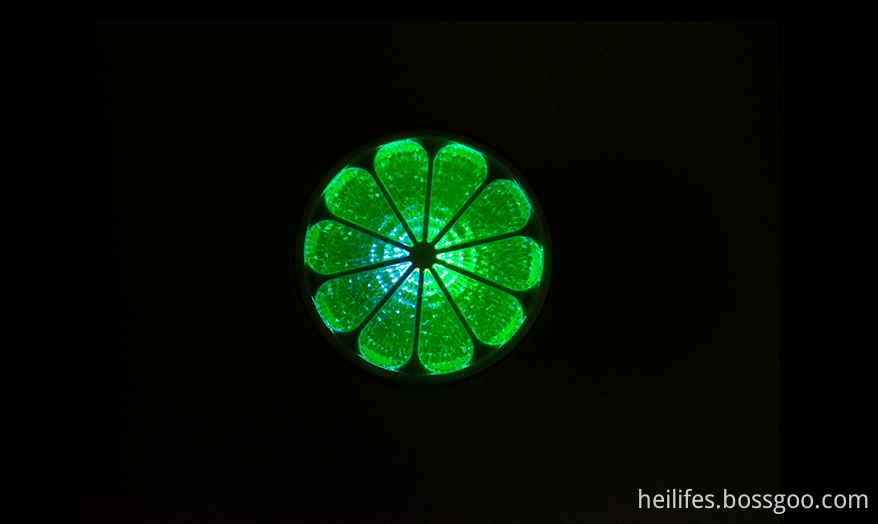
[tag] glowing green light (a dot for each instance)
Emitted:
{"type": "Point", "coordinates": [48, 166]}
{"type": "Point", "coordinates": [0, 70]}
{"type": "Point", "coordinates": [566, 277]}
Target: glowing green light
{"type": "Point", "coordinates": [501, 208]}
{"type": "Point", "coordinates": [402, 167]}
{"type": "Point", "coordinates": [331, 248]}
{"type": "Point", "coordinates": [353, 195]}
{"type": "Point", "coordinates": [430, 264]}
{"type": "Point", "coordinates": [515, 263]}
{"type": "Point", "coordinates": [457, 172]}
{"type": "Point", "coordinates": [344, 302]}
{"type": "Point", "coordinates": [389, 338]}
{"type": "Point", "coordinates": [494, 316]}
{"type": "Point", "coordinates": [443, 343]}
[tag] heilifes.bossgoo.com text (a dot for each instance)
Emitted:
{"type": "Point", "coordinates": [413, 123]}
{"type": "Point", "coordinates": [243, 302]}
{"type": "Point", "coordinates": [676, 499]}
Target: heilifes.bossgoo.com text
{"type": "Point", "coordinates": [779, 503]}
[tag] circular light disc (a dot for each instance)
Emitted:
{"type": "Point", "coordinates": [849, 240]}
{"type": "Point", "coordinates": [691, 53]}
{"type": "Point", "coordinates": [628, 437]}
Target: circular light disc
{"type": "Point", "coordinates": [424, 257]}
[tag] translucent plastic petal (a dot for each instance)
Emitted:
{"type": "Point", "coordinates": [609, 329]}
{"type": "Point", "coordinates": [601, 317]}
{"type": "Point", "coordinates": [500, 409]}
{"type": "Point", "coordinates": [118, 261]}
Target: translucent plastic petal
{"type": "Point", "coordinates": [354, 196]}
{"type": "Point", "coordinates": [515, 263]}
{"type": "Point", "coordinates": [501, 208]}
{"type": "Point", "coordinates": [388, 339]}
{"type": "Point", "coordinates": [457, 172]}
{"type": "Point", "coordinates": [344, 302]}
{"type": "Point", "coordinates": [331, 248]}
{"type": "Point", "coordinates": [402, 168]}
{"type": "Point", "coordinates": [493, 316]}
{"type": "Point", "coordinates": [443, 343]}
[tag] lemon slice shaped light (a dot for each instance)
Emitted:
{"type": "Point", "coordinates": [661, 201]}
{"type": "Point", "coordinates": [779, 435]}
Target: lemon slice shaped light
{"type": "Point", "coordinates": [424, 258]}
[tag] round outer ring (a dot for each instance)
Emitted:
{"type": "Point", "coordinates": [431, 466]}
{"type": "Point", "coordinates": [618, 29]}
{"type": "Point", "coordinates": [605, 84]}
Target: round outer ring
{"type": "Point", "coordinates": [409, 378]}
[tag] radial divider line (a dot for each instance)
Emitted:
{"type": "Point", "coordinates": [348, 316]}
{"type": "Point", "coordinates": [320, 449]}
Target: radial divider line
{"type": "Point", "coordinates": [380, 304]}
{"type": "Point", "coordinates": [377, 265]}
{"type": "Point", "coordinates": [429, 195]}
{"type": "Point", "coordinates": [473, 243]}
{"type": "Point", "coordinates": [457, 311]}
{"type": "Point", "coordinates": [418, 316]}
{"type": "Point", "coordinates": [483, 280]}
{"type": "Point", "coordinates": [372, 233]}
{"type": "Point", "coordinates": [459, 213]}
{"type": "Point", "coordinates": [392, 204]}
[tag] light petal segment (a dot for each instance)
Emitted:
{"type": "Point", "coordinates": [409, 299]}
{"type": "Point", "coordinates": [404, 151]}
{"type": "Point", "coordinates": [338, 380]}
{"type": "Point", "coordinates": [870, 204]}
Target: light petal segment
{"type": "Point", "coordinates": [493, 316]}
{"type": "Point", "coordinates": [331, 247]}
{"type": "Point", "coordinates": [354, 195]}
{"type": "Point", "coordinates": [501, 208]}
{"type": "Point", "coordinates": [515, 263]}
{"type": "Point", "coordinates": [443, 343]}
{"type": "Point", "coordinates": [388, 339]}
{"type": "Point", "coordinates": [402, 168]}
{"type": "Point", "coordinates": [344, 302]}
{"type": "Point", "coordinates": [457, 172]}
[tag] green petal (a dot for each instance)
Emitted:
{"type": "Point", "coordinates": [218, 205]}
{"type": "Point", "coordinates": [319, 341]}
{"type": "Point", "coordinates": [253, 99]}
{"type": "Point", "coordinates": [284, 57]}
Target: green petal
{"type": "Point", "coordinates": [443, 343]}
{"type": "Point", "coordinates": [388, 339]}
{"type": "Point", "coordinates": [345, 302]}
{"type": "Point", "coordinates": [515, 263]}
{"type": "Point", "coordinates": [457, 172]}
{"type": "Point", "coordinates": [501, 208]}
{"type": "Point", "coordinates": [402, 168]}
{"type": "Point", "coordinates": [354, 196]}
{"type": "Point", "coordinates": [494, 316]}
{"type": "Point", "coordinates": [331, 248]}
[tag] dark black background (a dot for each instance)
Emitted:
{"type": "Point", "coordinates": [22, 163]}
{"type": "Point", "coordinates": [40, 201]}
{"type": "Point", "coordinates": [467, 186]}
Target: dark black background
{"type": "Point", "coordinates": [207, 395]}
